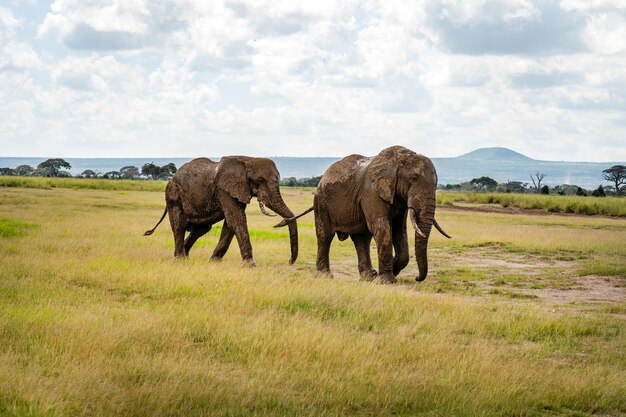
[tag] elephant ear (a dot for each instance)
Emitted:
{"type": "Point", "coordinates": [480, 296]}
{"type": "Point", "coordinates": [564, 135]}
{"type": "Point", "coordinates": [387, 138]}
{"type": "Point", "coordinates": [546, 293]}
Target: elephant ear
{"type": "Point", "coordinates": [232, 177]}
{"type": "Point", "coordinates": [383, 173]}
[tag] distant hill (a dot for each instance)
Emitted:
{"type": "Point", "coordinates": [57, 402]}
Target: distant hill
{"type": "Point", "coordinates": [503, 164]}
{"type": "Point", "coordinates": [490, 154]}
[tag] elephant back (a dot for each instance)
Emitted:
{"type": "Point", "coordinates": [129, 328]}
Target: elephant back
{"type": "Point", "coordinates": [194, 185]}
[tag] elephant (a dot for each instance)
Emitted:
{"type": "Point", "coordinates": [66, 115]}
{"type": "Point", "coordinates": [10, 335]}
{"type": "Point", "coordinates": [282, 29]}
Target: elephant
{"type": "Point", "coordinates": [364, 197]}
{"type": "Point", "coordinates": [203, 192]}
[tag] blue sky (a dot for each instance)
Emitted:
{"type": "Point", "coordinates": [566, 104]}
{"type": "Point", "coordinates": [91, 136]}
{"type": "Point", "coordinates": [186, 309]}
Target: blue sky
{"type": "Point", "coordinates": [184, 78]}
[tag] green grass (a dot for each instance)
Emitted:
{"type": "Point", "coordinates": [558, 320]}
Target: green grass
{"type": "Point", "coordinates": [14, 228]}
{"type": "Point", "coordinates": [82, 183]}
{"type": "Point", "coordinates": [98, 320]}
{"type": "Point", "coordinates": [609, 206]}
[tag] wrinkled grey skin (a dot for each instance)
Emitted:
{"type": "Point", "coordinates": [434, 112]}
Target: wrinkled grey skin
{"type": "Point", "coordinates": [364, 197]}
{"type": "Point", "coordinates": [203, 192]}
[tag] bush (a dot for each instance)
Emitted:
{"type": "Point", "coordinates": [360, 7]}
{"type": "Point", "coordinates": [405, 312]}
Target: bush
{"type": "Point", "coordinates": [598, 192]}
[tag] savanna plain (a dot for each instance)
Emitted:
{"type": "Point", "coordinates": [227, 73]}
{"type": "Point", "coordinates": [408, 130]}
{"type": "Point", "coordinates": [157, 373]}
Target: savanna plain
{"type": "Point", "coordinates": [521, 315]}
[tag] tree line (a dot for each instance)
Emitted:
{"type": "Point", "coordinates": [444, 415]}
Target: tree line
{"type": "Point", "coordinates": [57, 167]}
{"type": "Point", "coordinates": [615, 175]}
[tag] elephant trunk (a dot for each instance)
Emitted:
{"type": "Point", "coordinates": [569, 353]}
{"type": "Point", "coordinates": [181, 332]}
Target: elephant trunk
{"type": "Point", "coordinates": [277, 205]}
{"type": "Point", "coordinates": [422, 220]}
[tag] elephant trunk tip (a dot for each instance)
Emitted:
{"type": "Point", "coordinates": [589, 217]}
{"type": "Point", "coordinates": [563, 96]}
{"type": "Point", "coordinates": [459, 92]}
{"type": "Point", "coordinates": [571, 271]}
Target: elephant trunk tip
{"type": "Point", "coordinates": [284, 222]}
{"type": "Point", "coordinates": [420, 277]}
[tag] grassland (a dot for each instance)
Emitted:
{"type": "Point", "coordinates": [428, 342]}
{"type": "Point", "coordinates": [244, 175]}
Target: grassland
{"type": "Point", "coordinates": [608, 206]}
{"type": "Point", "coordinates": [521, 316]}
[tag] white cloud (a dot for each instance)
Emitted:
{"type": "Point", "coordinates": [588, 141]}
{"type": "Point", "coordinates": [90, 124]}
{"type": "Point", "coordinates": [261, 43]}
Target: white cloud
{"type": "Point", "coordinates": [265, 77]}
{"type": "Point", "coordinates": [19, 56]}
{"type": "Point", "coordinates": [606, 33]}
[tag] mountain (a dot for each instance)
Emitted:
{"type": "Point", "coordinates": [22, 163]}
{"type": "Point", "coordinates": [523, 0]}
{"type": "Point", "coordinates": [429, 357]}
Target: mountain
{"type": "Point", "coordinates": [503, 164]}
{"type": "Point", "coordinates": [490, 154]}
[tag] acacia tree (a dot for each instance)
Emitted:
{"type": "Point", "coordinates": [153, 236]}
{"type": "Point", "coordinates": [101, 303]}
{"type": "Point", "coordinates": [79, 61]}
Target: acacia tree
{"type": "Point", "coordinates": [89, 173]}
{"type": "Point", "coordinates": [540, 177]}
{"type": "Point", "coordinates": [617, 175]}
{"type": "Point", "coordinates": [51, 167]}
{"type": "Point", "coordinates": [24, 170]}
{"type": "Point", "coordinates": [129, 172]}
{"type": "Point", "coordinates": [484, 182]}
{"type": "Point", "coordinates": [112, 175]}
{"type": "Point", "coordinates": [151, 170]}
{"type": "Point", "coordinates": [156, 172]}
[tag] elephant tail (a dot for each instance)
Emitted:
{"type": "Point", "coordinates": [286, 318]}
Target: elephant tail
{"type": "Point", "coordinates": [149, 232]}
{"type": "Point", "coordinates": [286, 221]}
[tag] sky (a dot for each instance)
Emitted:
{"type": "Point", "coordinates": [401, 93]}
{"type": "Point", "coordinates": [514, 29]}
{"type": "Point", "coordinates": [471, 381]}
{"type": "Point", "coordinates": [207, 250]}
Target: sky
{"type": "Point", "coordinates": [186, 78]}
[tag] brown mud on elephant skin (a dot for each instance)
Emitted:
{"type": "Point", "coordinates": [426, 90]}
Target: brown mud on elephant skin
{"type": "Point", "coordinates": [204, 192]}
{"type": "Point", "coordinates": [370, 197]}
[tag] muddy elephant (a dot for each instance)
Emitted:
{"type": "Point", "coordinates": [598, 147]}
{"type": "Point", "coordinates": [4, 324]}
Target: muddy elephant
{"type": "Point", "coordinates": [204, 192]}
{"type": "Point", "coordinates": [361, 198]}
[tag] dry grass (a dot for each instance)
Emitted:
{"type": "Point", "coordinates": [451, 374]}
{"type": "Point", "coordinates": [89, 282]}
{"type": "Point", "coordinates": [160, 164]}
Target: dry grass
{"type": "Point", "coordinates": [97, 320]}
{"type": "Point", "coordinates": [609, 206]}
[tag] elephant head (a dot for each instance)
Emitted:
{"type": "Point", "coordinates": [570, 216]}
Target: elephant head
{"type": "Point", "coordinates": [246, 177]}
{"type": "Point", "coordinates": [403, 177]}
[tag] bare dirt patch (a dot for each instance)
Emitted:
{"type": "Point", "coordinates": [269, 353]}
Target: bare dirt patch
{"type": "Point", "coordinates": [591, 289]}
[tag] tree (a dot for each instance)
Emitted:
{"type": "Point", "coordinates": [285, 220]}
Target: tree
{"type": "Point", "coordinates": [24, 170]}
{"type": "Point", "coordinates": [514, 187]}
{"type": "Point", "coordinates": [484, 182]}
{"type": "Point", "coordinates": [289, 182]}
{"type": "Point", "coordinates": [154, 172]}
{"type": "Point", "coordinates": [51, 167]}
{"type": "Point", "coordinates": [599, 192]}
{"type": "Point", "coordinates": [581, 192]}
{"type": "Point", "coordinates": [129, 172]}
{"type": "Point", "coordinates": [617, 175]}
{"type": "Point", "coordinates": [150, 170]}
{"type": "Point", "coordinates": [540, 177]}
{"type": "Point", "coordinates": [545, 190]}
{"type": "Point", "coordinates": [112, 175]}
{"type": "Point", "coordinates": [169, 169]}
{"type": "Point", "coordinates": [89, 173]}
{"type": "Point", "coordinates": [7, 171]}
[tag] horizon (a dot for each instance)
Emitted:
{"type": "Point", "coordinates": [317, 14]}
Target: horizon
{"type": "Point", "coordinates": [303, 157]}
{"type": "Point", "coordinates": [313, 79]}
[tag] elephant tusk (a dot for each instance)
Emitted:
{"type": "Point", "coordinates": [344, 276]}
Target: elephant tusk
{"type": "Point", "coordinates": [264, 211]}
{"type": "Point", "coordinates": [412, 215]}
{"type": "Point", "coordinates": [441, 230]}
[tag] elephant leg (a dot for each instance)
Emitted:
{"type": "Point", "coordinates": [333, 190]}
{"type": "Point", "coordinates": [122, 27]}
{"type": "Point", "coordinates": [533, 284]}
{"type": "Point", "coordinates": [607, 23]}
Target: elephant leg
{"type": "Point", "coordinates": [226, 237]}
{"type": "Point", "coordinates": [197, 231]}
{"type": "Point", "coordinates": [400, 244]}
{"type": "Point", "coordinates": [324, 238]}
{"type": "Point", "coordinates": [381, 229]}
{"type": "Point", "coordinates": [323, 252]}
{"type": "Point", "coordinates": [179, 225]}
{"type": "Point", "coordinates": [235, 217]}
{"type": "Point", "coordinates": [362, 246]}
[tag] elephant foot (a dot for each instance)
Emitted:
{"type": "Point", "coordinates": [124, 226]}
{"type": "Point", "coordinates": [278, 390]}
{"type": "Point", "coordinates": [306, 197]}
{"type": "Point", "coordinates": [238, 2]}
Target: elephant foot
{"type": "Point", "coordinates": [248, 263]}
{"type": "Point", "coordinates": [368, 275]}
{"type": "Point", "coordinates": [386, 278]}
{"type": "Point", "coordinates": [215, 258]}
